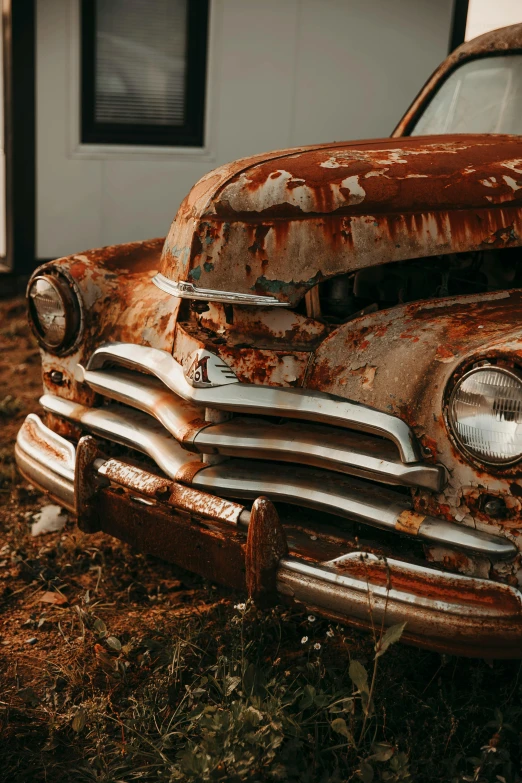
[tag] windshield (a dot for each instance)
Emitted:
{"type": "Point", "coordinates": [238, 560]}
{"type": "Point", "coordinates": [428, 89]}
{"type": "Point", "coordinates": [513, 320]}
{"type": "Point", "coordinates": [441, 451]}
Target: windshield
{"type": "Point", "coordinates": [481, 96]}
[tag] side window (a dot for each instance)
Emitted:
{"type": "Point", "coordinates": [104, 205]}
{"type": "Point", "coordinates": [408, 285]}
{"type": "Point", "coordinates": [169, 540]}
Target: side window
{"type": "Point", "coordinates": [144, 71]}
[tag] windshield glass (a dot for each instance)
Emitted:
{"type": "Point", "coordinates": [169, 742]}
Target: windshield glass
{"type": "Point", "coordinates": [482, 96]}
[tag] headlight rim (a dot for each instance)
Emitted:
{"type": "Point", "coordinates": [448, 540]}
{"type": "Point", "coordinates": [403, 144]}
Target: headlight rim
{"type": "Point", "coordinates": [452, 389]}
{"type": "Point", "coordinates": [71, 300]}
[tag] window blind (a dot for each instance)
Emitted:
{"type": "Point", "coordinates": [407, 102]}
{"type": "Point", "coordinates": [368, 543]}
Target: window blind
{"type": "Point", "coordinates": [141, 49]}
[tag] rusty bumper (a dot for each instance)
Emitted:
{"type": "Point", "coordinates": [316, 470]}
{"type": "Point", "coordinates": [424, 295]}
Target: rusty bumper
{"type": "Point", "coordinates": [247, 550]}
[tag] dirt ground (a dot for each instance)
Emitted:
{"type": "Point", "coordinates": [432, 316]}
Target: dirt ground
{"type": "Point", "coordinates": [115, 666]}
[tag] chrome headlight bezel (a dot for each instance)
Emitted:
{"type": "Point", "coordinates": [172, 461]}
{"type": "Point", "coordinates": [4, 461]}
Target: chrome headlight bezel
{"type": "Point", "coordinates": [470, 455]}
{"type": "Point", "coordinates": [70, 305]}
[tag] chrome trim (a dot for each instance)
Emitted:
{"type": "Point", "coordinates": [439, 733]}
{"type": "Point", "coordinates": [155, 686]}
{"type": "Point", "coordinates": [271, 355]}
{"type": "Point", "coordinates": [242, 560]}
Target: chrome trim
{"type": "Point", "coordinates": [59, 488]}
{"type": "Point", "coordinates": [60, 453]}
{"type": "Point", "coordinates": [308, 444]}
{"type": "Point", "coordinates": [476, 615]}
{"type": "Point", "coordinates": [473, 625]}
{"type": "Point", "coordinates": [302, 486]}
{"type": "Point", "coordinates": [344, 497]}
{"type": "Point", "coordinates": [320, 447]}
{"type": "Point", "coordinates": [316, 489]}
{"type": "Point", "coordinates": [208, 370]}
{"type": "Point", "coordinates": [46, 460]}
{"type": "Point", "coordinates": [249, 398]}
{"type": "Point", "coordinates": [131, 428]}
{"type": "Point", "coordinates": [333, 573]}
{"type": "Point", "coordinates": [185, 290]}
{"type": "Point", "coordinates": [181, 418]}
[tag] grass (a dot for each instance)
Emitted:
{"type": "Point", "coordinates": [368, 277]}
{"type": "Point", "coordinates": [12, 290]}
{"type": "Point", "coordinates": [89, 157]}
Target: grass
{"type": "Point", "coordinates": [116, 667]}
{"type": "Point", "coordinates": [217, 691]}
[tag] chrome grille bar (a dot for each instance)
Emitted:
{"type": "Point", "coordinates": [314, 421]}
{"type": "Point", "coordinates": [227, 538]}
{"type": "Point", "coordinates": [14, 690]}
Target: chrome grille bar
{"type": "Point", "coordinates": [335, 449]}
{"type": "Point", "coordinates": [303, 486]}
{"type": "Point", "coordinates": [269, 400]}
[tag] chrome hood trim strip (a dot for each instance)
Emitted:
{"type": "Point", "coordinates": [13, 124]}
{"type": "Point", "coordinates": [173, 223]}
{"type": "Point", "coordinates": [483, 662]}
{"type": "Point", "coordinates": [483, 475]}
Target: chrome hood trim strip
{"type": "Point", "coordinates": [185, 290]}
{"type": "Point", "coordinates": [249, 398]}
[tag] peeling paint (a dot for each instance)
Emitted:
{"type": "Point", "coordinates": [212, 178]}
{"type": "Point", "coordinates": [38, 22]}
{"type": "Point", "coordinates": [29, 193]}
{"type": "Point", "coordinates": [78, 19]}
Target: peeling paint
{"type": "Point", "coordinates": [300, 216]}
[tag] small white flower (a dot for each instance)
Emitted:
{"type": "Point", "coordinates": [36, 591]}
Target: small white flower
{"type": "Point", "coordinates": [317, 646]}
{"type": "Point", "coordinates": [241, 607]}
{"type": "Point", "coordinates": [304, 640]}
{"type": "Point", "coordinates": [311, 618]}
{"type": "Point", "coordinates": [329, 632]}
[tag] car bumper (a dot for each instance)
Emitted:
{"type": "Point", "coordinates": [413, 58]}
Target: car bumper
{"type": "Point", "coordinates": [208, 535]}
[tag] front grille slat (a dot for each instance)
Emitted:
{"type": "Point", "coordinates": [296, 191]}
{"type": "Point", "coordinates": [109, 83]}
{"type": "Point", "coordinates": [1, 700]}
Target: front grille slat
{"type": "Point", "coordinates": [308, 443]}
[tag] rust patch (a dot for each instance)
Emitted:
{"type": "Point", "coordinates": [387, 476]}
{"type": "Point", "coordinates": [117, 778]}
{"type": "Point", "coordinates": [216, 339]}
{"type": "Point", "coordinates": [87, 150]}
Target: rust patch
{"type": "Point", "coordinates": [86, 484]}
{"type": "Point", "coordinates": [424, 585]}
{"type": "Point", "coordinates": [216, 553]}
{"type": "Point", "coordinates": [409, 522]}
{"type": "Point", "coordinates": [118, 302]}
{"type": "Point", "coordinates": [47, 447]}
{"type": "Point", "coordinates": [135, 478]}
{"type": "Point", "coordinates": [205, 505]}
{"type": "Point", "coordinates": [266, 545]}
{"type": "Point", "coordinates": [187, 471]}
{"type": "Point", "coordinates": [343, 207]}
{"type": "Point", "coordinates": [185, 498]}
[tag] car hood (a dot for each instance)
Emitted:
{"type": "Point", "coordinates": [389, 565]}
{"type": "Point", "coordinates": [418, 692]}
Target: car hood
{"type": "Point", "coordinates": [279, 223]}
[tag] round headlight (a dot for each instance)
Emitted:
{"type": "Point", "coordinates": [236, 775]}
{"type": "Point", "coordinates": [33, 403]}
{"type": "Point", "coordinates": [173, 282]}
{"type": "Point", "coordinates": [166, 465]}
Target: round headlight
{"type": "Point", "coordinates": [485, 415]}
{"type": "Point", "coordinates": [54, 311]}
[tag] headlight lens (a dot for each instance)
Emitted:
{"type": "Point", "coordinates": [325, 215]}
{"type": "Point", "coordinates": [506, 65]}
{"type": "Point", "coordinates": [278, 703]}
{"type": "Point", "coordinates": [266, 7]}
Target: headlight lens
{"type": "Point", "coordinates": [485, 415]}
{"type": "Point", "coordinates": [54, 311]}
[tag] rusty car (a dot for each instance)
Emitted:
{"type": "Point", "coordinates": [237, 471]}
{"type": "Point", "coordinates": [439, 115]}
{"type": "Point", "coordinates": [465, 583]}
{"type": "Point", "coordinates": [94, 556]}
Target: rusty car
{"type": "Point", "coordinates": [311, 389]}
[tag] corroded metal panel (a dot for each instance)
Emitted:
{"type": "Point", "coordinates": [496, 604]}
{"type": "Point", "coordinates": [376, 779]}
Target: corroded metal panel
{"type": "Point", "coordinates": [118, 302]}
{"type": "Point", "coordinates": [255, 365]}
{"type": "Point", "coordinates": [215, 551]}
{"type": "Point", "coordinates": [401, 361]}
{"type": "Point", "coordinates": [285, 223]}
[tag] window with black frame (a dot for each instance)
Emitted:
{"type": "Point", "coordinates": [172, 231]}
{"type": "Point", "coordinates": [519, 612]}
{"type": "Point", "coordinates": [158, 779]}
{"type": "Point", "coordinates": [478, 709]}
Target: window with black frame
{"type": "Point", "coordinates": [144, 72]}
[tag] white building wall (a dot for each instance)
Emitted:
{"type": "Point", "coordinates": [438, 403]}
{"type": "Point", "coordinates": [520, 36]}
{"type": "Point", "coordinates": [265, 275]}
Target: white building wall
{"type": "Point", "coordinates": [280, 73]}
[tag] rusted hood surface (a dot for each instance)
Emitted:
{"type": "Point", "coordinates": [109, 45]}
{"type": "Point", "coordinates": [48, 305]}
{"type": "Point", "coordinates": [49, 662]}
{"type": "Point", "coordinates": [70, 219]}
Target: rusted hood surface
{"type": "Point", "coordinates": [279, 223]}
